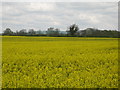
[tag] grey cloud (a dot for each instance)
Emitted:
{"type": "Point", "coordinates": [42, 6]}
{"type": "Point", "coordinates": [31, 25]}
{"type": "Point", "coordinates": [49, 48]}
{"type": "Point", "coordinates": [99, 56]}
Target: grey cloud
{"type": "Point", "coordinates": [60, 15]}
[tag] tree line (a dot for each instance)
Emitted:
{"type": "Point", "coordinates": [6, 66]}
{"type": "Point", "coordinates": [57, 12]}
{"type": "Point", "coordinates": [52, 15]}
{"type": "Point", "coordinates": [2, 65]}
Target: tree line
{"type": "Point", "coordinates": [72, 31]}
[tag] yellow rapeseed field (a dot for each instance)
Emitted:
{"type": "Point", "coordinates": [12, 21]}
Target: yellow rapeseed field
{"type": "Point", "coordinates": [59, 62]}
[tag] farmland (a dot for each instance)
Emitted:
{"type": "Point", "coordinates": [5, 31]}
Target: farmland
{"type": "Point", "coordinates": [60, 62]}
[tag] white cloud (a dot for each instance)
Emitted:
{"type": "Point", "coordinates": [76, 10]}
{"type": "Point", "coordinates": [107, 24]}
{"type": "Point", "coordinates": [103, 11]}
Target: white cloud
{"type": "Point", "coordinates": [41, 6]}
{"type": "Point", "coordinates": [60, 0]}
{"type": "Point", "coordinates": [60, 15]}
{"type": "Point", "coordinates": [89, 18]}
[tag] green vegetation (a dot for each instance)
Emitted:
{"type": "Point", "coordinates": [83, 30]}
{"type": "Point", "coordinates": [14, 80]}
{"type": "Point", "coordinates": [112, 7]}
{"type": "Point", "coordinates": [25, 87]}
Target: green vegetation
{"type": "Point", "coordinates": [72, 31]}
{"type": "Point", "coordinates": [60, 62]}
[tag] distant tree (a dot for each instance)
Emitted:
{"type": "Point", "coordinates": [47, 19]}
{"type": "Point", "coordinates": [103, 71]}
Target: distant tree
{"type": "Point", "coordinates": [53, 32]}
{"type": "Point", "coordinates": [56, 32]}
{"type": "Point", "coordinates": [73, 29]}
{"type": "Point", "coordinates": [39, 32]}
{"type": "Point", "coordinates": [31, 32]}
{"type": "Point", "coordinates": [50, 31]}
{"type": "Point", "coordinates": [92, 32]}
{"type": "Point", "coordinates": [22, 32]}
{"type": "Point", "coordinates": [8, 31]}
{"type": "Point", "coordinates": [17, 32]}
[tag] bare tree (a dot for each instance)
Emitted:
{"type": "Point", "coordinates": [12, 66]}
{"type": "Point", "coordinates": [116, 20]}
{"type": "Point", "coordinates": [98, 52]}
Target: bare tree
{"type": "Point", "coordinates": [73, 29]}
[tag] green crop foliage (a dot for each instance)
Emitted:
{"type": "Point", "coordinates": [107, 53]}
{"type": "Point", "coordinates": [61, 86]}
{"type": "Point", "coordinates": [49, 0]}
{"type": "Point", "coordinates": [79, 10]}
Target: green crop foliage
{"type": "Point", "coordinates": [59, 62]}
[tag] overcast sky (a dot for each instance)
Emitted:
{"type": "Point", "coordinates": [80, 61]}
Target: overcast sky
{"type": "Point", "coordinates": [26, 15]}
